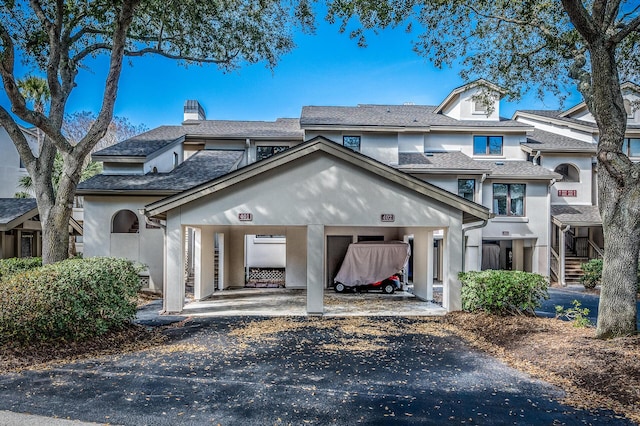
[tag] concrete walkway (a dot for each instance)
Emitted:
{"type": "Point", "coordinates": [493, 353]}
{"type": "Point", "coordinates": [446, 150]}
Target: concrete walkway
{"type": "Point", "coordinates": [288, 302]}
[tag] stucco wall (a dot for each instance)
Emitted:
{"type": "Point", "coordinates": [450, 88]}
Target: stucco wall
{"type": "Point", "coordinates": [10, 170]}
{"type": "Point", "coordinates": [145, 247]}
{"type": "Point", "coordinates": [583, 188]}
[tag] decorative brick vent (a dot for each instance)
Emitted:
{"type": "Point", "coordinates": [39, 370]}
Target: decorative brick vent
{"type": "Point", "coordinates": [266, 277]}
{"type": "Point", "coordinates": [144, 281]}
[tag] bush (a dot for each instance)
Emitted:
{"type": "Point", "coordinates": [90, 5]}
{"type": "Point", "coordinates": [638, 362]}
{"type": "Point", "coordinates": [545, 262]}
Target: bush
{"type": "Point", "coordinates": [503, 292]}
{"type": "Point", "coordinates": [576, 314]}
{"type": "Point", "coordinates": [18, 264]}
{"type": "Point", "coordinates": [71, 300]}
{"type": "Point", "coordinates": [592, 273]}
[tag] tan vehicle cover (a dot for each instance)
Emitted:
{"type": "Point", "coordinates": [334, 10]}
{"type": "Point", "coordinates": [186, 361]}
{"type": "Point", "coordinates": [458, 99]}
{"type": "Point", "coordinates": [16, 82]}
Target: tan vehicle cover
{"type": "Point", "coordinates": [370, 262]}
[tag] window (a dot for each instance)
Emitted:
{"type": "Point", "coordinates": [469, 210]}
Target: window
{"type": "Point", "coordinates": [176, 159]}
{"type": "Point", "coordinates": [508, 199]}
{"type": "Point", "coordinates": [631, 147]}
{"type": "Point", "coordinates": [467, 188]}
{"type": "Point", "coordinates": [22, 163]}
{"type": "Point", "coordinates": [125, 222]}
{"type": "Point", "coordinates": [351, 142]}
{"type": "Point", "coordinates": [487, 145]}
{"type": "Point", "coordinates": [569, 172]}
{"type": "Point", "coordinates": [479, 107]}
{"type": "Point", "coordinates": [263, 152]}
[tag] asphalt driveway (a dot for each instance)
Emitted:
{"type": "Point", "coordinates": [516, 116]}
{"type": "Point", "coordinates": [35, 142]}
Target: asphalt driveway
{"type": "Point", "coordinates": [259, 371]}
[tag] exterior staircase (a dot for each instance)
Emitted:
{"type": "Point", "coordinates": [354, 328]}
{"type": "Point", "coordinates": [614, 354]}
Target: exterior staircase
{"type": "Point", "coordinates": [572, 271]}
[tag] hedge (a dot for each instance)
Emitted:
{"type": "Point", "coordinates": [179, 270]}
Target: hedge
{"type": "Point", "coordinates": [18, 264]}
{"type": "Point", "coordinates": [503, 292]}
{"type": "Point", "coordinates": [70, 300]}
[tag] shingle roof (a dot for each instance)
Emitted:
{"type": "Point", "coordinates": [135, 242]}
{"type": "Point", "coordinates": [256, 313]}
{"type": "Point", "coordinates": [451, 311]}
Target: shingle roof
{"type": "Point", "coordinates": [439, 160]}
{"type": "Point", "coordinates": [547, 141]}
{"type": "Point", "coordinates": [578, 215]}
{"type": "Point", "coordinates": [518, 168]}
{"type": "Point", "coordinates": [201, 167]}
{"type": "Point", "coordinates": [555, 114]}
{"type": "Point", "coordinates": [13, 208]}
{"type": "Point", "coordinates": [390, 115]}
{"type": "Point", "coordinates": [160, 137]}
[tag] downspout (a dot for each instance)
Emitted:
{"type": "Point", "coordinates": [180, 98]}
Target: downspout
{"type": "Point", "coordinates": [562, 249]}
{"type": "Point", "coordinates": [471, 227]}
{"type": "Point", "coordinates": [535, 158]}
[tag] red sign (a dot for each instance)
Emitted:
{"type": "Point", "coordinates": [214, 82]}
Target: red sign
{"type": "Point", "coordinates": [245, 217]}
{"type": "Point", "coordinates": [567, 193]}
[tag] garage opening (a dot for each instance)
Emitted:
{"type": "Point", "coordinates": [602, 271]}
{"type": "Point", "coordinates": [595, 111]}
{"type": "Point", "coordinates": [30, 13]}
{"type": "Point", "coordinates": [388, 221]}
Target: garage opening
{"type": "Point", "coordinates": [265, 261]}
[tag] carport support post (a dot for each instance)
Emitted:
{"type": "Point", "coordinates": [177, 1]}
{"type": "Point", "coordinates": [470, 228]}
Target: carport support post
{"type": "Point", "coordinates": [315, 269]}
{"type": "Point", "coordinates": [423, 264]}
{"type": "Point", "coordinates": [452, 265]}
{"type": "Point", "coordinates": [174, 268]}
{"type": "Point", "coordinates": [203, 263]}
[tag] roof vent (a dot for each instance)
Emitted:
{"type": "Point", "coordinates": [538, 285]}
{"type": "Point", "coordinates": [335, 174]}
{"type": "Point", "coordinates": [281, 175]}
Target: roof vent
{"type": "Point", "coordinates": [409, 103]}
{"type": "Point", "coordinates": [193, 111]}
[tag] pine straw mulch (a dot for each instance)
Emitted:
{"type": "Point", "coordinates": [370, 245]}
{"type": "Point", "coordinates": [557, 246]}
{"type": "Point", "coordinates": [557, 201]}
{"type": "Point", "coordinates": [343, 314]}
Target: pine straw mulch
{"type": "Point", "coordinates": [41, 355]}
{"type": "Point", "coordinates": [594, 373]}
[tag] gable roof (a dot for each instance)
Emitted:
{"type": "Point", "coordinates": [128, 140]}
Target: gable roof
{"type": "Point", "coordinates": [440, 161]}
{"type": "Point", "coordinates": [458, 90]}
{"type": "Point", "coordinates": [14, 211]}
{"type": "Point", "coordinates": [411, 117]}
{"type": "Point", "coordinates": [201, 167]}
{"type": "Point", "coordinates": [543, 141]}
{"type": "Point", "coordinates": [150, 142]}
{"type": "Point", "coordinates": [471, 211]}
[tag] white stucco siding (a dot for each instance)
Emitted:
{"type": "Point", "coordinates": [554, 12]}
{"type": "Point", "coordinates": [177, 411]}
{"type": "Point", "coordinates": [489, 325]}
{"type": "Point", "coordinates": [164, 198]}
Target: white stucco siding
{"type": "Point", "coordinates": [10, 170]}
{"type": "Point", "coordinates": [464, 142]}
{"type": "Point", "coordinates": [165, 162]}
{"type": "Point", "coordinates": [583, 187]}
{"type": "Point", "coordinates": [410, 142]}
{"type": "Point", "coordinates": [266, 252]}
{"type": "Point", "coordinates": [145, 247]}
{"type": "Point", "coordinates": [114, 168]}
{"type": "Point", "coordinates": [317, 190]}
{"type": "Point", "coordinates": [381, 147]}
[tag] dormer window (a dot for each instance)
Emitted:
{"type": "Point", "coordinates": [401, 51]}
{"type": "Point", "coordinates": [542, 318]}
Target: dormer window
{"type": "Point", "coordinates": [487, 145]}
{"type": "Point", "coordinates": [480, 107]}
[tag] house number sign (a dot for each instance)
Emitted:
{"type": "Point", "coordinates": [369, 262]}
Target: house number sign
{"type": "Point", "coordinates": [245, 217]}
{"type": "Point", "coordinates": [387, 217]}
{"type": "Point", "coordinates": [567, 193]}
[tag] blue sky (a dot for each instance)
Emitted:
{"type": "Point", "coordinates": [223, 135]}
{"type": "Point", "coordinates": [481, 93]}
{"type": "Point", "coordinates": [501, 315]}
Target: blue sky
{"type": "Point", "coordinates": [325, 69]}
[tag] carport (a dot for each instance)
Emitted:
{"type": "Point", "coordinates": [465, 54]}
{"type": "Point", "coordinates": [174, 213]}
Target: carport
{"type": "Point", "coordinates": [308, 193]}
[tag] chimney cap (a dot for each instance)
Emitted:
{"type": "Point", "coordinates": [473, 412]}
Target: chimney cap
{"type": "Point", "coordinates": [193, 110]}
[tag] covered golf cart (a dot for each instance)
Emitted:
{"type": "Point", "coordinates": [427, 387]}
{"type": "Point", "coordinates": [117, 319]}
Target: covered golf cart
{"type": "Point", "coordinates": [373, 265]}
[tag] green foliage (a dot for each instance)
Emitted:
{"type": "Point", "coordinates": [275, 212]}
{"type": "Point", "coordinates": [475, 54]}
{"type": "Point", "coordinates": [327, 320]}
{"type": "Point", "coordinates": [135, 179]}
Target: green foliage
{"type": "Point", "coordinates": [15, 265]}
{"type": "Point", "coordinates": [502, 292]}
{"type": "Point", "coordinates": [592, 273]}
{"type": "Point", "coordinates": [576, 314]}
{"type": "Point", "coordinates": [70, 300]}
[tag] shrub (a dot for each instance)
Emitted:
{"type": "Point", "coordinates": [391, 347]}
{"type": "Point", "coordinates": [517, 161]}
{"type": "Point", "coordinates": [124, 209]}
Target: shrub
{"type": "Point", "coordinates": [577, 315]}
{"type": "Point", "coordinates": [503, 292]}
{"type": "Point", "coordinates": [592, 273]}
{"type": "Point", "coordinates": [72, 300]}
{"type": "Point", "coordinates": [18, 264]}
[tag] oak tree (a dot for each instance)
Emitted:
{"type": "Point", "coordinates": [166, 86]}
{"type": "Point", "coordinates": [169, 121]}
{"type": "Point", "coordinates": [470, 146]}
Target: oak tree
{"type": "Point", "coordinates": [56, 39]}
{"type": "Point", "coordinates": [544, 45]}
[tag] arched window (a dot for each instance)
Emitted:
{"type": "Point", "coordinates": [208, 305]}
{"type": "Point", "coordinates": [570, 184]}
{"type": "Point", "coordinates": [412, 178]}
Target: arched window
{"type": "Point", "coordinates": [570, 173]}
{"type": "Point", "coordinates": [125, 222]}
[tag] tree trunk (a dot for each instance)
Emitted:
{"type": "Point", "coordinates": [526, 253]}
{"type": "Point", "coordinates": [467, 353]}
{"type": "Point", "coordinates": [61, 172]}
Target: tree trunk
{"type": "Point", "coordinates": [618, 199]}
{"type": "Point", "coordinates": [55, 234]}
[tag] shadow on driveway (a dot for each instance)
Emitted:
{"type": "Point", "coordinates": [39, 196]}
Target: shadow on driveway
{"type": "Point", "coordinates": [258, 371]}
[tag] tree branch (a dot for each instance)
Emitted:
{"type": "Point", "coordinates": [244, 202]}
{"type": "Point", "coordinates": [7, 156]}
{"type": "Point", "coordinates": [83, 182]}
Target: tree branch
{"type": "Point", "coordinates": [581, 20]}
{"type": "Point", "coordinates": [19, 139]}
{"type": "Point", "coordinates": [632, 26]}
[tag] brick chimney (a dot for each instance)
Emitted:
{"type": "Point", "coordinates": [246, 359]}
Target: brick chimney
{"type": "Point", "coordinates": [193, 111]}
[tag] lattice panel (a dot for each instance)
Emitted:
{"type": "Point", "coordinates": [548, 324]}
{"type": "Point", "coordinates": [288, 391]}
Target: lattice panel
{"type": "Point", "coordinates": [273, 277]}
